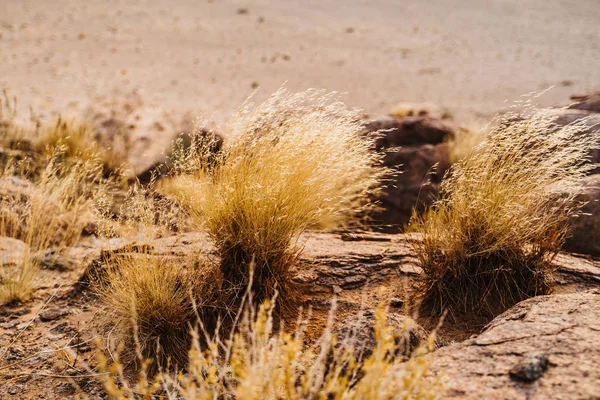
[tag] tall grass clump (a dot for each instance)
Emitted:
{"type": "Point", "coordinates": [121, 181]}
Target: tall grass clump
{"type": "Point", "coordinates": [256, 362]}
{"type": "Point", "coordinates": [295, 162]}
{"type": "Point", "coordinates": [502, 213]}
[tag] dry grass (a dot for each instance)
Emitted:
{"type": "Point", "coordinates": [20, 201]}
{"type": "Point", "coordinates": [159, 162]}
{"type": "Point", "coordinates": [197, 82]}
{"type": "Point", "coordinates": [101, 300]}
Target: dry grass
{"type": "Point", "coordinates": [466, 140]}
{"type": "Point", "coordinates": [47, 212]}
{"type": "Point", "coordinates": [149, 298]}
{"type": "Point", "coordinates": [295, 162]}
{"type": "Point", "coordinates": [489, 240]}
{"type": "Point", "coordinates": [257, 363]}
{"type": "Point", "coordinates": [79, 142]}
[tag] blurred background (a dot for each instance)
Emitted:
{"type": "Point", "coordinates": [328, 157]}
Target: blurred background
{"type": "Point", "coordinates": [208, 56]}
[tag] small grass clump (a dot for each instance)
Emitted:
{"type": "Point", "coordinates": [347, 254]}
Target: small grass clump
{"type": "Point", "coordinates": [295, 162]}
{"type": "Point", "coordinates": [79, 142]}
{"type": "Point", "coordinates": [502, 214]}
{"type": "Point", "coordinates": [150, 303]}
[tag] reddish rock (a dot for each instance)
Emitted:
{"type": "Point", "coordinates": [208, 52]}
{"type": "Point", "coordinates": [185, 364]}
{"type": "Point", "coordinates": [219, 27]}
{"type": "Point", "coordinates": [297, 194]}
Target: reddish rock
{"type": "Point", "coordinates": [415, 148]}
{"type": "Point", "coordinates": [584, 229]}
{"type": "Point", "coordinates": [409, 131]}
{"type": "Point", "coordinates": [590, 102]}
{"type": "Point", "coordinates": [542, 348]}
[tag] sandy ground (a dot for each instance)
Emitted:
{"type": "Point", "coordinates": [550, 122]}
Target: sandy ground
{"type": "Point", "coordinates": [209, 55]}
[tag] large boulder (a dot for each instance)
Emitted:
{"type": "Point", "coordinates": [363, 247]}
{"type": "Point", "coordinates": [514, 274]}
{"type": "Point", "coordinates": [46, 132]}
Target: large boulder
{"type": "Point", "coordinates": [590, 102]}
{"type": "Point", "coordinates": [542, 348]}
{"type": "Point", "coordinates": [409, 131]}
{"type": "Point", "coordinates": [584, 229]}
{"type": "Point", "coordinates": [591, 127]}
{"type": "Point", "coordinates": [416, 150]}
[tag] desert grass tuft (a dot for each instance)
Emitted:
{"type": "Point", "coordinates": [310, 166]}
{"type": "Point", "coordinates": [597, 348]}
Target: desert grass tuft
{"type": "Point", "coordinates": [295, 162]}
{"type": "Point", "coordinates": [149, 306]}
{"type": "Point", "coordinates": [78, 142]}
{"type": "Point", "coordinates": [502, 214]}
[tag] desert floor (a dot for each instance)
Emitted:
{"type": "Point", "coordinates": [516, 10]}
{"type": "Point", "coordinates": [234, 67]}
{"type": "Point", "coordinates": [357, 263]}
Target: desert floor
{"type": "Point", "coordinates": [208, 56]}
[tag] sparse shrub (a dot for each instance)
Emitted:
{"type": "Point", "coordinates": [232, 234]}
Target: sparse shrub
{"type": "Point", "coordinates": [502, 213]}
{"type": "Point", "coordinates": [258, 363]}
{"type": "Point", "coordinates": [295, 162]}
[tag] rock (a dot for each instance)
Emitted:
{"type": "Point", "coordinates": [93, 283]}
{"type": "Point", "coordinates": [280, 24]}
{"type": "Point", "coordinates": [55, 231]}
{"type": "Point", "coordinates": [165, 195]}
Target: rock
{"type": "Point", "coordinates": [530, 368]}
{"type": "Point", "coordinates": [396, 303]}
{"type": "Point", "coordinates": [408, 131]}
{"type": "Point", "coordinates": [357, 331]}
{"type": "Point", "coordinates": [138, 134]}
{"type": "Point", "coordinates": [589, 103]}
{"type": "Point", "coordinates": [53, 313]}
{"type": "Point", "coordinates": [353, 264]}
{"type": "Point", "coordinates": [14, 390]}
{"type": "Point", "coordinates": [10, 325]}
{"type": "Point", "coordinates": [415, 180]}
{"type": "Point", "coordinates": [12, 251]}
{"type": "Point", "coordinates": [64, 388]}
{"type": "Point", "coordinates": [584, 229]}
{"type": "Point", "coordinates": [421, 170]}
{"type": "Point", "coordinates": [591, 127]}
{"type": "Point", "coordinates": [585, 269]}
{"type": "Point", "coordinates": [564, 328]}
{"type": "Point", "coordinates": [164, 165]}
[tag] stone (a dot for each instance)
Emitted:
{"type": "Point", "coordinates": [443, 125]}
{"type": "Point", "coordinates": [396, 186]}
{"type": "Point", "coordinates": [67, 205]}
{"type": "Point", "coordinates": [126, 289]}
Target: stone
{"type": "Point", "coordinates": [396, 303]}
{"type": "Point", "coordinates": [53, 313]}
{"type": "Point", "coordinates": [421, 169]}
{"type": "Point", "coordinates": [357, 331]}
{"type": "Point", "coordinates": [64, 388]}
{"type": "Point", "coordinates": [14, 390]}
{"type": "Point", "coordinates": [417, 154]}
{"type": "Point", "coordinates": [584, 229]}
{"type": "Point", "coordinates": [590, 102]}
{"type": "Point", "coordinates": [530, 368]}
{"type": "Point", "coordinates": [12, 251]}
{"type": "Point", "coordinates": [591, 127]}
{"type": "Point", "coordinates": [409, 131]}
{"type": "Point", "coordinates": [554, 336]}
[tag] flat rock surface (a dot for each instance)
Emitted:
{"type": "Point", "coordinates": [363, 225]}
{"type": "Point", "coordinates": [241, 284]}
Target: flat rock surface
{"type": "Point", "coordinates": [543, 348]}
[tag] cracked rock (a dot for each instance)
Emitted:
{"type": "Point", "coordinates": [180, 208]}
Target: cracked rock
{"type": "Point", "coordinates": [510, 359]}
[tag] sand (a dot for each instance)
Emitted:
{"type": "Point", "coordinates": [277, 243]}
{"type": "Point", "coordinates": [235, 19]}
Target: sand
{"type": "Point", "coordinates": [471, 56]}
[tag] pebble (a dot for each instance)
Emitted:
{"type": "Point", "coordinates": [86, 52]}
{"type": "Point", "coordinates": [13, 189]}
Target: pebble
{"type": "Point", "coordinates": [53, 313]}
{"type": "Point", "coordinates": [530, 368]}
